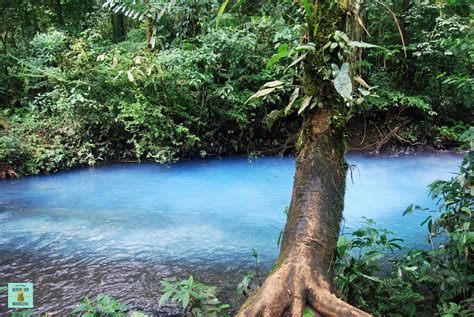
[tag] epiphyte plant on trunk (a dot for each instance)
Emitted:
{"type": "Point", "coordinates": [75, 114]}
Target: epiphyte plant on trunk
{"type": "Point", "coordinates": [301, 282]}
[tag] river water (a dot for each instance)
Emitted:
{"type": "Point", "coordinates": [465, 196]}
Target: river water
{"type": "Point", "coordinates": [121, 228]}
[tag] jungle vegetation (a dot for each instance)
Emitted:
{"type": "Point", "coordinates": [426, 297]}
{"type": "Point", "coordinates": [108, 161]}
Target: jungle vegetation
{"type": "Point", "coordinates": [85, 82]}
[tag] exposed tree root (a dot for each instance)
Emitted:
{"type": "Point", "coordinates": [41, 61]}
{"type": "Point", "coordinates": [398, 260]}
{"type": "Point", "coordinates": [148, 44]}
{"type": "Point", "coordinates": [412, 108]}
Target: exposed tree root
{"type": "Point", "coordinates": [392, 133]}
{"type": "Point", "coordinates": [291, 288]}
{"type": "Point", "coordinates": [6, 171]}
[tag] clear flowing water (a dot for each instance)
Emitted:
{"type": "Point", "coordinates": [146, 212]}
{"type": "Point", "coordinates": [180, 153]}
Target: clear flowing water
{"type": "Point", "coordinates": [121, 228]}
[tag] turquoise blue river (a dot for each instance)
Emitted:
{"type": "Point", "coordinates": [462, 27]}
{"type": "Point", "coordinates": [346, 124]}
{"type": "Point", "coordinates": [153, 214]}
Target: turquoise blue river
{"type": "Point", "coordinates": [122, 228]}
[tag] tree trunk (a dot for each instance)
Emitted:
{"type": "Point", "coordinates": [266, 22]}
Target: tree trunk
{"type": "Point", "coordinates": [149, 29]}
{"type": "Point", "coordinates": [306, 262]}
{"type": "Point", "coordinates": [149, 33]}
{"type": "Point", "coordinates": [118, 27]}
{"type": "Point", "coordinates": [59, 12]}
{"type": "Point", "coordinates": [305, 266]}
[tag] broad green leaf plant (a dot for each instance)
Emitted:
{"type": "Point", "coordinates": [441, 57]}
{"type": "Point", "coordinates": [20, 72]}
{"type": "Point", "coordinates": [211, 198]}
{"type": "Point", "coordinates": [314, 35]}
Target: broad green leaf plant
{"type": "Point", "coordinates": [193, 297]}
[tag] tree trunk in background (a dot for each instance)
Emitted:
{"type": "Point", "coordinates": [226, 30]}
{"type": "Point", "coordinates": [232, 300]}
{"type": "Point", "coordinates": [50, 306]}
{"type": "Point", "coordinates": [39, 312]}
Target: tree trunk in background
{"type": "Point", "coordinates": [303, 275]}
{"type": "Point", "coordinates": [118, 27]}
{"type": "Point", "coordinates": [149, 33]}
{"type": "Point", "coordinates": [59, 12]}
{"type": "Point", "coordinates": [149, 29]}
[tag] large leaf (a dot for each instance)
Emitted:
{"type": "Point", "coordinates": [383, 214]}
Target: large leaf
{"type": "Point", "coordinates": [362, 82]}
{"type": "Point", "coordinates": [342, 35]}
{"type": "Point", "coordinates": [130, 76]}
{"type": "Point", "coordinates": [363, 44]}
{"type": "Point", "coordinates": [343, 83]}
{"type": "Point", "coordinates": [372, 256]}
{"type": "Point", "coordinates": [293, 98]}
{"type": "Point", "coordinates": [164, 298]}
{"type": "Point", "coordinates": [221, 11]}
{"type": "Point", "coordinates": [305, 104]}
{"type": "Point", "coordinates": [296, 61]}
{"type": "Point", "coordinates": [308, 10]}
{"type": "Point", "coordinates": [274, 116]}
{"type": "Point", "coordinates": [306, 47]}
{"type": "Point", "coordinates": [281, 53]}
{"type": "Point", "coordinates": [262, 93]}
{"type": "Point", "coordinates": [272, 84]}
{"type": "Point", "coordinates": [342, 245]}
{"type": "Point", "coordinates": [186, 299]}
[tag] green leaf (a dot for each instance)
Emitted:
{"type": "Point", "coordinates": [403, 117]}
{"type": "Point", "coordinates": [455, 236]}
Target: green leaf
{"type": "Point", "coordinates": [342, 35]}
{"type": "Point", "coordinates": [372, 256]}
{"type": "Point", "coordinates": [363, 45]}
{"type": "Point", "coordinates": [272, 84]}
{"type": "Point", "coordinates": [409, 209]}
{"type": "Point", "coordinates": [306, 47]}
{"type": "Point", "coordinates": [362, 82]}
{"type": "Point", "coordinates": [164, 298]}
{"type": "Point", "coordinates": [273, 116]}
{"type": "Point", "coordinates": [221, 11]}
{"type": "Point", "coordinates": [308, 312]}
{"type": "Point", "coordinates": [262, 93]}
{"type": "Point", "coordinates": [372, 278]}
{"type": "Point", "coordinates": [254, 253]}
{"type": "Point", "coordinates": [335, 70]}
{"type": "Point", "coordinates": [305, 104]}
{"type": "Point", "coordinates": [185, 300]}
{"type": "Point", "coordinates": [86, 301]}
{"type": "Point", "coordinates": [308, 10]}
{"type": "Point", "coordinates": [342, 245]}
{"type": "Point", "coordinates": [282, 53]}
{"type": "Point", "coordinates": [359, 232]}
{"type": "Point", "coordinates": [100, 297]}
{"type": "Point", "coordinates": [296, 61]}
{"type": "Point", "coordinates": [397, 246]}
{"type": "Point", "coordinates": [343, 83]}
{"type": "Point", "coordinates": [130, 76]}
{"type": "Point", "coordinates": [293, 98]}
{"type": "Point", "coordinates": [108, 309]}
{"type": "Point", "coordinates": [80, 308]}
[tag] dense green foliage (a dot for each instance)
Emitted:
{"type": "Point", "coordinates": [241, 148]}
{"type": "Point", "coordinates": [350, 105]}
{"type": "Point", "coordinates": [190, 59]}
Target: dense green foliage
{"type": "Point", "coordinates": [80, 89]}
{"type": "Point", "coordinates": [420, 282]}
{"type": "Point", "coordinates": [81, 99]}
{"type": "Point", "coordinates": [102, 306]}
{"type": "Point", "coordinates": [424, 74]}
